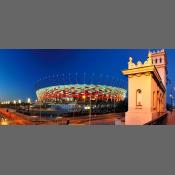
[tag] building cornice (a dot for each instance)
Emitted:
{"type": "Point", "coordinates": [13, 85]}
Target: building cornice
{"type": "Point", "coordinates": [142, 70]}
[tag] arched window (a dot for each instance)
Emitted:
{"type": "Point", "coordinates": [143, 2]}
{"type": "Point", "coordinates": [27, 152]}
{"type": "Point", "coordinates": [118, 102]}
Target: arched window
{"type": "Point", "coordinates": [156, 61]}
{"type": "Point", "coordinates": [138, 97]}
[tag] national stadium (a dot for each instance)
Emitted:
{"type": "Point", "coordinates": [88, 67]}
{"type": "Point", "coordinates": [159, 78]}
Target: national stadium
{"type": "Point", "coordinates": [80, 92]}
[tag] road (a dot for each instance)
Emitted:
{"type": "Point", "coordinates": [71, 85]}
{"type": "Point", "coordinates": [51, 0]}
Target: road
{"type": "Point", "coordinates": [13, 118]}
{"type": "Point", "coordinates": [103, 119]}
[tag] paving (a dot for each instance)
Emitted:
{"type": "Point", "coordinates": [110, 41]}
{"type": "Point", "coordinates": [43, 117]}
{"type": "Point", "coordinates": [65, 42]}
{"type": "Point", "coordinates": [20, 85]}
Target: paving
{"type": "Point", "coordinates": [11, 117]}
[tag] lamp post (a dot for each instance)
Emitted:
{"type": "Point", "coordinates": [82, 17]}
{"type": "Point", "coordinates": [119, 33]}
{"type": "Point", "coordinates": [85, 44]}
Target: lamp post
{"type": "Point", "coordinates": [29, 102]}
{"type": "Point", "coordinates": [40, 109]}
{"type": "Point", "coordinates": [14, 102]}
{"type": "Point", "coordinates": [19, 102]}
{"type": "Point", "coordinates": [172, 99]}
{"type": "Point", "coordinates": [171, 94]}
{"type": "Point", "coordinates": [90, 111]}
{"type": "Point", "coordinates": [114, 104]}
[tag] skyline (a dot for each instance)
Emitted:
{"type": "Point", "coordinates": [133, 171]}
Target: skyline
{"type": "Point", "coordinates": [20, 69]}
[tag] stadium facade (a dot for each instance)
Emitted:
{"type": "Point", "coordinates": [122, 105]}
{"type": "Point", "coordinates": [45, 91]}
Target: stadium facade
{"type": "Point", "coordinates": [80, 92]}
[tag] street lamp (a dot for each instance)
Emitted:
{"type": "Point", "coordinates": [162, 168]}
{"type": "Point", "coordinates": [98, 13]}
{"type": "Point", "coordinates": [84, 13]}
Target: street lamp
{"type": "Point", "coordinates": [84, 97]}
{"type": "Point", "coordinates": [40, 102]}
{"type": "Point", "coordinates": [171, 93]}
{"type": "Point", "coordinates": [90, 111]}
{"type": "Point", "coordinates": [114, 104]}
{"type": "Point", "coordinates": [172, 97]}
{"type": "Point", "coordinates": [19, 102]}
{"type": "Point", "coordinates": [14, 102]}
{"type": "Point", "coordinates": [29, 100]}
{"type": "Point", "coordinates": [172, 102]}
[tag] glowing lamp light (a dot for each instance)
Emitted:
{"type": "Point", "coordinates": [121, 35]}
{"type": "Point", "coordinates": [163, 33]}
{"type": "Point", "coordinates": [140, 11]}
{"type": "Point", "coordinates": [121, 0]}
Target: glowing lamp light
{"type": "Point", "coordinates": [19, 101]}
{"type": "Point", "coordinates": [87, 107]}
{"type": "Point", "coordinates": [28, 100]}
{"type": "Point", "coordinates": [14, 101]}
{"type": "Point", "coordinates": [4, 122]}
{"type": "Point", "coordinates": [171, 96]}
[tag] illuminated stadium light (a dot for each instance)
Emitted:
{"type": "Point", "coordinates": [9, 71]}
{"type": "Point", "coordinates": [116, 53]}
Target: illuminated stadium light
{"type": "Point", "coordinates": [84, 97]}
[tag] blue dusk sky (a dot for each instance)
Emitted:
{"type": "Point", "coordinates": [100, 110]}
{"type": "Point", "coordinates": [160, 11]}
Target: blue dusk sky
{"type": "Point", "coordinates": [20, 69]}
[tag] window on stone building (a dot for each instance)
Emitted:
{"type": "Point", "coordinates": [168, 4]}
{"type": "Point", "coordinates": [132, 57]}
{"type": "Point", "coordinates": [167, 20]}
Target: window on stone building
{"type": "Point", "coordinates": [158, 101]}
{"type": "Point", "coordinates": [139, 97]}
{"type": "Point", "coordinates": [154, 99]}
{"type": "Point", "coordinates": [160, 60]}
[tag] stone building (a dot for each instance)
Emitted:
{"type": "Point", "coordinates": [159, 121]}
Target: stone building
{"type": "Point", "coordinates": [146, 88]}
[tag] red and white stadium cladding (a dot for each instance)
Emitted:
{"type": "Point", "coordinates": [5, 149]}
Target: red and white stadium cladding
{"type": "Point", "coordinates": [81, 91]}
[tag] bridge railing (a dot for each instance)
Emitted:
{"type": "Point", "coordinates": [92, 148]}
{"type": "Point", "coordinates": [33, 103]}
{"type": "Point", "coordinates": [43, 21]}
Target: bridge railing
{"type": "Point", "coordinates": [158, 121]}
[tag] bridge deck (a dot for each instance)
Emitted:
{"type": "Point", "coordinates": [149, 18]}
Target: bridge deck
{"type": "Point", "coordinates": [165, 119]}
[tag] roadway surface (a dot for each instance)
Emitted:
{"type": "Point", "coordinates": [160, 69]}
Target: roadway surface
{"type": "Point", "coordinates": [11, 117]}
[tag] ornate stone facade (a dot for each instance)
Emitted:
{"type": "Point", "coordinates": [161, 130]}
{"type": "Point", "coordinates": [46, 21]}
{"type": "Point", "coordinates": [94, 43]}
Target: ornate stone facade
{"type": "Point", "coordinates": [146, 91]}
